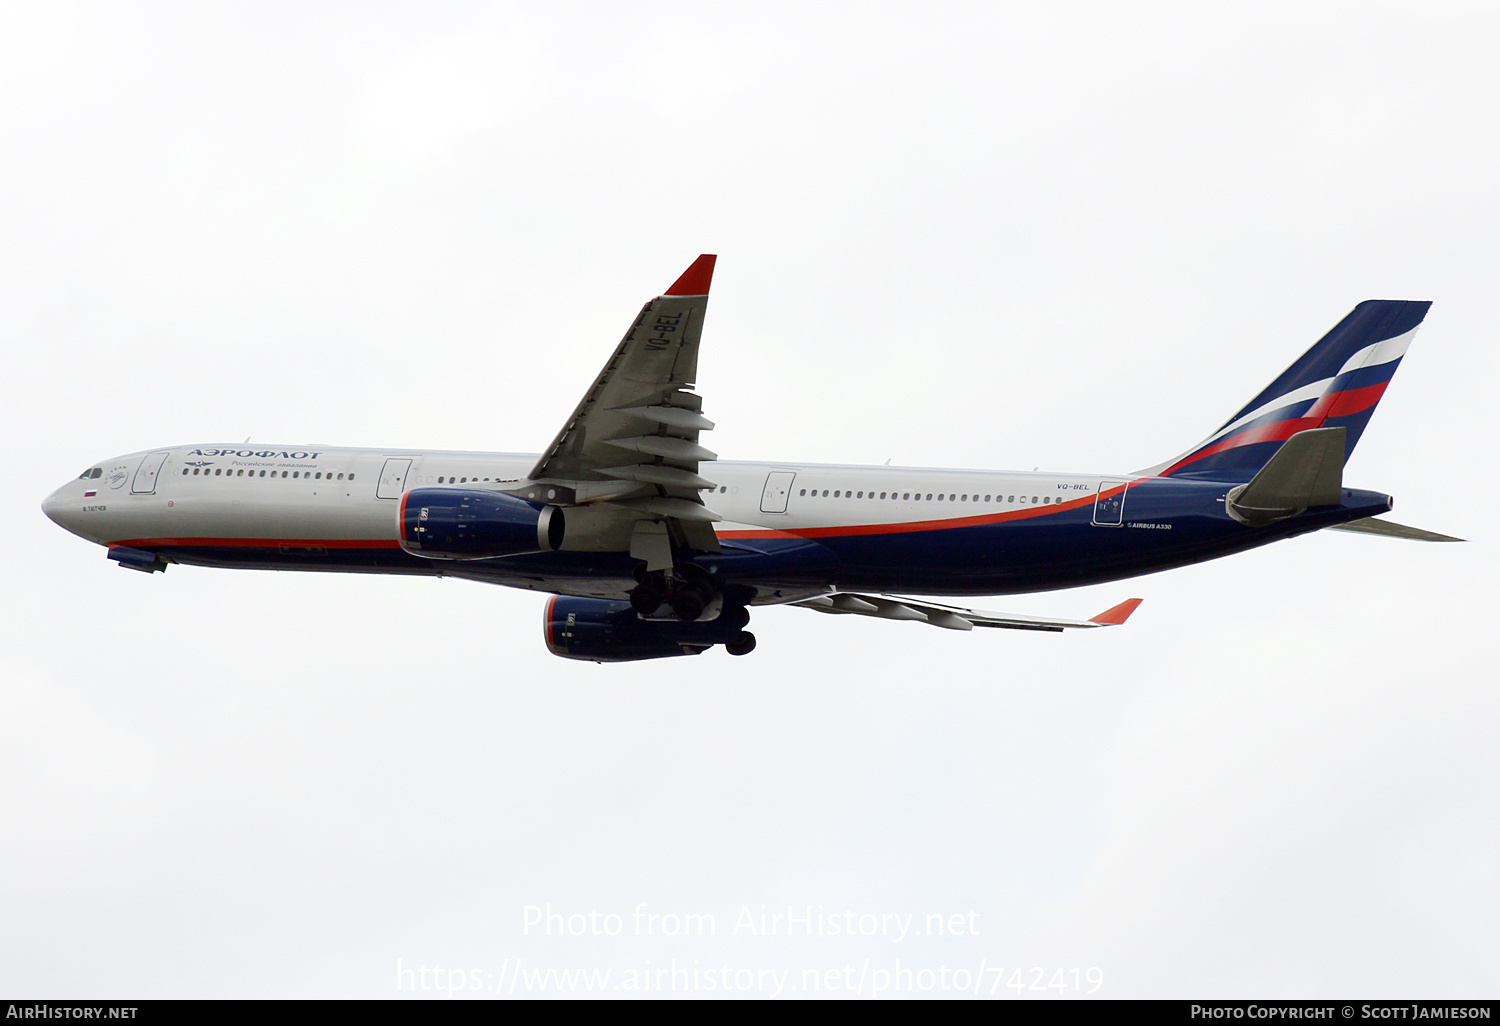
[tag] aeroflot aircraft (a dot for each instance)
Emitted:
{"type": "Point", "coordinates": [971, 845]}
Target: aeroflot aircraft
{"type": "Point", "coordinates": [649, 548]}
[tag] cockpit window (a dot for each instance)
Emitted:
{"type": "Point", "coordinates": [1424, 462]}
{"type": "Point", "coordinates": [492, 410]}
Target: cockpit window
{"type": "Point", "coordinates": [92, 472]}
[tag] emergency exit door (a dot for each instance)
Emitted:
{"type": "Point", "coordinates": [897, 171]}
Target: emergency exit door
{"type": "Point", "coordinates": [1109, 504]}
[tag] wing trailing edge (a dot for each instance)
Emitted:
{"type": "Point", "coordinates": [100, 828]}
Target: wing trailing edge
{"type": "Point", "coordinates": [956, 618]}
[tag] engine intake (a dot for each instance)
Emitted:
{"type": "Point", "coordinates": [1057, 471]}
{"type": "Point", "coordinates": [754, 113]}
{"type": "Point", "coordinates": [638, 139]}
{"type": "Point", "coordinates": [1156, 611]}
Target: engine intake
{"type": "Point", "coordinates": [603, 631]}
{"type": "Point", "coordinates": [460, 523]}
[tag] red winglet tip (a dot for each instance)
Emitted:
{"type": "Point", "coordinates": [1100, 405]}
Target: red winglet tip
{"type": "Point", "coordinates": [695, 280]}
{"type": "Point", "coordinates": [1116, 615]}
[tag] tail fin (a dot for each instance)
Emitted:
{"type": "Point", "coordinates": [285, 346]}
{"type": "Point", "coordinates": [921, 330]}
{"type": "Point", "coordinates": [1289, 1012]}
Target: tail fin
{"type": "Point", "coordinates": [1336, 383]}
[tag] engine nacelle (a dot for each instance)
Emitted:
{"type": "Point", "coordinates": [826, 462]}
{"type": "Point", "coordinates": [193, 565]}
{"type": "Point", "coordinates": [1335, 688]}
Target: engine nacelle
{"type": "Point", "coordinates": [603, 631]}
{"type": "Point", "coordinates": [462, 523]}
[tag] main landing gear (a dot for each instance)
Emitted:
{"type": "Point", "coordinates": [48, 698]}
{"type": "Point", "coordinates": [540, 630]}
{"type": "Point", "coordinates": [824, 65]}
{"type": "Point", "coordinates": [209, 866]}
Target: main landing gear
{"type": "Point", "coordinates": [743, 644]}
{"type": "Point", "coordinates": [688, 594]}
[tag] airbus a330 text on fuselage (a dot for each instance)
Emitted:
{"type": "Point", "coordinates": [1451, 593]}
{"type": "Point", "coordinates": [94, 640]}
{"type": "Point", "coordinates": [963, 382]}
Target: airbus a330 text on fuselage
{"type": "Point", "coordinates": [651, 546]}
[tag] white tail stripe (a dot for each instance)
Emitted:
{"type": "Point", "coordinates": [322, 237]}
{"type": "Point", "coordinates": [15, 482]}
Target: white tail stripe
{"type": "Point", "coordinates": [1380, 352]}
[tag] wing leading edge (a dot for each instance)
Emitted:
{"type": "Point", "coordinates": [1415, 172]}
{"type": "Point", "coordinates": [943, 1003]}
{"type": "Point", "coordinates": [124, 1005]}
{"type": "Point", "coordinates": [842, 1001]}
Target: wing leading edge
{"type": "Point", "coordinates": [630, 452]}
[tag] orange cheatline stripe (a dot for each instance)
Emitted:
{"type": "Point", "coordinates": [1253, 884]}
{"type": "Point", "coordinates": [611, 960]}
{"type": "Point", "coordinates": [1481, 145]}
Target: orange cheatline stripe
{"type": "Point", "coordinates": [771, 533]}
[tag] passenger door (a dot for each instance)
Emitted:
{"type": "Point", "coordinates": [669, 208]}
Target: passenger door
{"type": "Point", "coordinates": [777, 491]}
{"type": "Point", "coordinates": [145, 475]}
{"type": "Point", "coordinates": [393, 479]}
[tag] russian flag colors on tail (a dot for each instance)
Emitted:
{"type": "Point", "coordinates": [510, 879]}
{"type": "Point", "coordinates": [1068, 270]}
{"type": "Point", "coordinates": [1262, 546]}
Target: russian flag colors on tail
{"type": "Point", "coordinates": [1336, 383]}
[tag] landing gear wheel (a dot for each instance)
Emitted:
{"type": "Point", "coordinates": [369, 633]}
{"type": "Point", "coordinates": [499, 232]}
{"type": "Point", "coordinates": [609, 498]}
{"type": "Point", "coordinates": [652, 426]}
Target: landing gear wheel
{"type": "Point", "coordinates": [689, 602]}
{"type": "Point", "coordinates": [743, 644]}
{"type": "Point", "coordinates": [646, 597]}
{"type": "Point", "coordinates": [648, 594]}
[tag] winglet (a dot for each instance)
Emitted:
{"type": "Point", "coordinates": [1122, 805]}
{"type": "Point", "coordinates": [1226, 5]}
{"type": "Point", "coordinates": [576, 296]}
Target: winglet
{"type": "Point", "coordinates": [694, 281]}
{"type": "Point", "coordinates": [1115, 615]}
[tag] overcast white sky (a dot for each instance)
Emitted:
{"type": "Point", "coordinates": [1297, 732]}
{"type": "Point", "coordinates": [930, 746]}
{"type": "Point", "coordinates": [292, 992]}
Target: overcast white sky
{"type": "Point", "coordinates": [984, 235]}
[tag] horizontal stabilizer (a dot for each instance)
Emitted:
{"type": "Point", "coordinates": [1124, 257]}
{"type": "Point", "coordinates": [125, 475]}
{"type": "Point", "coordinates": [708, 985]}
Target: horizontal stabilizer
{"type": "Point", "coordinates": [957, 618]}
{"type": "Point", "coordinates": [1307, 471]}
{"type": "Point", "coordinates": [1391, 529]}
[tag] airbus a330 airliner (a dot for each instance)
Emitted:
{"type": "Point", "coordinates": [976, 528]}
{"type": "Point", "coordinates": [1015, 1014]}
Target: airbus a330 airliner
{"type": "Point", "coordinates": [651, 546]}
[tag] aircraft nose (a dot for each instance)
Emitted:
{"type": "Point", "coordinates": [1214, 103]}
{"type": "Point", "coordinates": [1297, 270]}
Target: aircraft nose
{"type": "Point", "coordinates": [52, 505]}
{"type": "Point", "coordinates": [63, 508]}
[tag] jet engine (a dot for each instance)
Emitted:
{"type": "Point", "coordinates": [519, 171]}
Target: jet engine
{"type": "Point", "coordinates": [603, 631]}
{"type": "Point", "coordinates": [461, 523]}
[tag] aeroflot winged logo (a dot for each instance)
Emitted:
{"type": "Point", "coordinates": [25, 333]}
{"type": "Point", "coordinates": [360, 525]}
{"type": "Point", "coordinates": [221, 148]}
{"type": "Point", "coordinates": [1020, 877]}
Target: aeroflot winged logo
{"type": "Point", "coordinates": [264, 454]}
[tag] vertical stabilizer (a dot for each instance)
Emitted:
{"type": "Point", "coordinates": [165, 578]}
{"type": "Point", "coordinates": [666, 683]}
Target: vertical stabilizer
{"type": "Point", "coordinates": [1336, 384]}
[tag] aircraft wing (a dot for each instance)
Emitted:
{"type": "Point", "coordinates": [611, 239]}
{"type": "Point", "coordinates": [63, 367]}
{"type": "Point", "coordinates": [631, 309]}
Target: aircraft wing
{"type": "Point", "coordinates": [631, 450]}
{"type": "Point", "coordinates": [893, 607]}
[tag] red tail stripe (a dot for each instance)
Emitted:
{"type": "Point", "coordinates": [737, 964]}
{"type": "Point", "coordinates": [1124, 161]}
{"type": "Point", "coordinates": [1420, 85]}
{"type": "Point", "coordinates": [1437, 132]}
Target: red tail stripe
{"type": "Point", "coordinates": [1345, 404]}
{"type": "Point", "coordinates": [1334, 404]}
